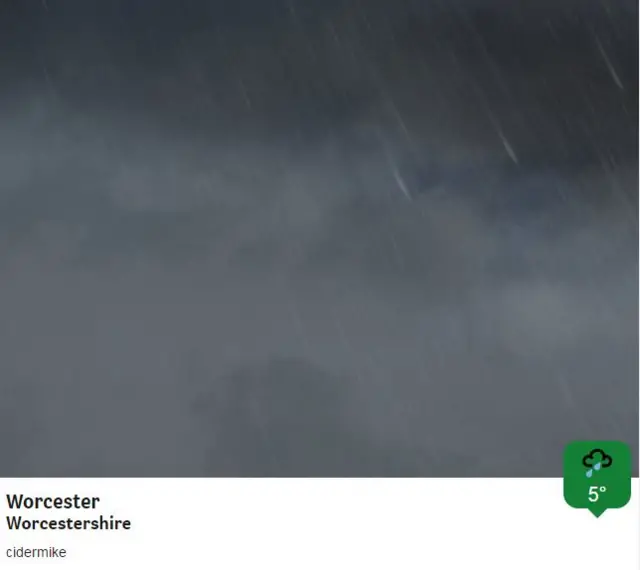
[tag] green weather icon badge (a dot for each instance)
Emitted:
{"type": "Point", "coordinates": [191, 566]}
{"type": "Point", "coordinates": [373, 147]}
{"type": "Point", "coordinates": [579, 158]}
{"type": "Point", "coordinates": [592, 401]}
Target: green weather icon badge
{"type": "Point", "coordinates": [597, 475]}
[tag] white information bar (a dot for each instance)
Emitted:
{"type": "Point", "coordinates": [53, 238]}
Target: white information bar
{"type": "Point", "coordinates": [307, 524]}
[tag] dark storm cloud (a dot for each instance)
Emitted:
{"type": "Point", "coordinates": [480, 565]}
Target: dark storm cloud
{"type": "Point", "coordinates": [316, 239]}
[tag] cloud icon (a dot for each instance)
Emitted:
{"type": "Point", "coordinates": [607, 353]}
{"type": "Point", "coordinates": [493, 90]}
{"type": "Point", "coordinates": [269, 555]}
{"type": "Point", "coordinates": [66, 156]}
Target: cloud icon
{"type": "Point", "coordinates": [595, 457]}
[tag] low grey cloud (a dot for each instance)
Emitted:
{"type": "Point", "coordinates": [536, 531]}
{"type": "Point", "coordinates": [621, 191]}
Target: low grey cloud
{"type": "Point", "coordinates": [409, 258]}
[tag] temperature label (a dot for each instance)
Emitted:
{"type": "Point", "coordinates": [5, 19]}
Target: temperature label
{"type": "Point", "coordinates": [597, 475]}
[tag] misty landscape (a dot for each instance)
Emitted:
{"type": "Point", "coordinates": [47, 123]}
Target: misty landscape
{"type": "Point", "coordinates": [330, 238]}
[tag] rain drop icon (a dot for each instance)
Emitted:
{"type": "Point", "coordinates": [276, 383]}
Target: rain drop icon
{"type": "Point", "coordinates": [596, 467]}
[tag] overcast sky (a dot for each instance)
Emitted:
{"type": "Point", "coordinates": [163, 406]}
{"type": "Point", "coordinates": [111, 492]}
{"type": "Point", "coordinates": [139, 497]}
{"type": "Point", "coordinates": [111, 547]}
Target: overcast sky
{"type": "Point", "coordinates": [337, 238]}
